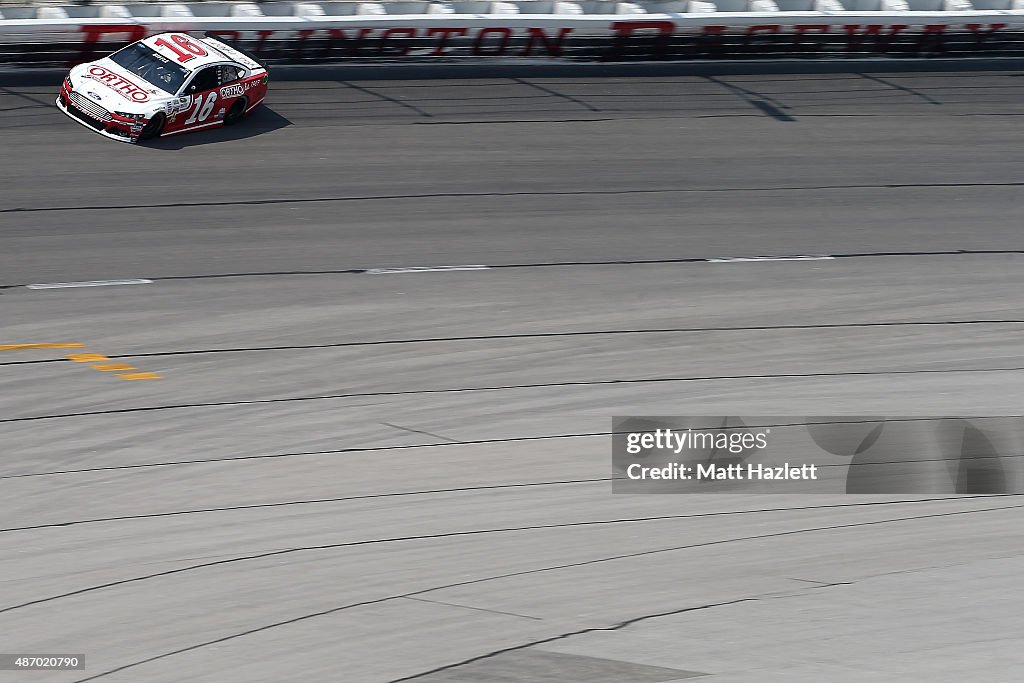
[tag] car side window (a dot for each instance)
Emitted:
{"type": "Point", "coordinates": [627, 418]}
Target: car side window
{"type": "Point", "coordinates": [204, 80]}
{"type": "Point", "coordinates": [229, 74]}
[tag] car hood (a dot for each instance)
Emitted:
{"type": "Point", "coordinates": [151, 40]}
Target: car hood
{"type": "Point", "coordinates": [115, 89]}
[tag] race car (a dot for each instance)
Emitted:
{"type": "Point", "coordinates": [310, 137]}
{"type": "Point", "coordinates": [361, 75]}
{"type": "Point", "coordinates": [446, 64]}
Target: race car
{"type": "Point", "coordinates": [166, 84]}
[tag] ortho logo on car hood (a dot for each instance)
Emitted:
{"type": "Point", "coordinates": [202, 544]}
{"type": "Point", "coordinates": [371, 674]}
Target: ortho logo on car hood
{"type": "Point", "coordinates": [122, 85]}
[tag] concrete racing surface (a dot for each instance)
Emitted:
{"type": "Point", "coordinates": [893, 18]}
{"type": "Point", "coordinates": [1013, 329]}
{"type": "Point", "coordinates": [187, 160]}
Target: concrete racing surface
{"type": "Point", "coordinates": [327, 472]}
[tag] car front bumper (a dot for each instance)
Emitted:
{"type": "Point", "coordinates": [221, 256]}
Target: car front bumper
{"type": "Point", "coordinates": [115, 130]}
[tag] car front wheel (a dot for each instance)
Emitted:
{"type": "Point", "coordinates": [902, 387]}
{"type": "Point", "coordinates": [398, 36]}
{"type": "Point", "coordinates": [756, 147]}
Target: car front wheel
{"type": "Point", "coordinates": [154, 127]}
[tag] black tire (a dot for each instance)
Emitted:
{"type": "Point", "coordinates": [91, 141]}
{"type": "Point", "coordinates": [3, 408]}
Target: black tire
{"type": "Point", "coordinates": [237, 111]}
{"type": "Point", "coordinates": [154, 127]}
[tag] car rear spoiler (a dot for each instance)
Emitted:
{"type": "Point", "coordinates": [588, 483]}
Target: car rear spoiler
{"type": "Point", "coordinates": [237, 48]}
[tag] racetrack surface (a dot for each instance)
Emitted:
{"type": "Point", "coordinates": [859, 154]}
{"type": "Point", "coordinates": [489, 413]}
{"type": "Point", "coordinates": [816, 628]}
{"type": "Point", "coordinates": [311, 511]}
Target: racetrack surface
{"type": "Point", "coordinates": [347, 474]}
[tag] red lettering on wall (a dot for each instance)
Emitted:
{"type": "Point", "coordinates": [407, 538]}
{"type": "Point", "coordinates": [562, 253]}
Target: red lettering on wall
{"type": "Point", "coordinates": [932, 39]}
{"type": "Point", "coordinates": [855, 39]}
{"type": "Point", "coordinates": [442, 42]}
{"type": "Point", "coordinates": [334, 36]}
{"type": "Point", "coordinates": [710, 41]}
{"type": "Point", "coordinates": [552, 46]}
{"type": "Point", "coordinates": [625, 28]}
{"type": "Point", "coordinates": [752, 31]}
{"type": "Point", "coordinates": [263, 35]}
{"type": "Point", "coordinates": [503, 35]}
{"type": "Point", "coordinates": [399, 48]}
{"type": "Point", "coordinates": [982, 36]}
{"type": "Point", "coordinates": [800, 30]}
{"type": "Point", "coordinates": [303, 34]}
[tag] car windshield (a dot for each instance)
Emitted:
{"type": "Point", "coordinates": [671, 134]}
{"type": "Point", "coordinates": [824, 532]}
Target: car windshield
{"type": "Point", "coordinates": [147, 63]}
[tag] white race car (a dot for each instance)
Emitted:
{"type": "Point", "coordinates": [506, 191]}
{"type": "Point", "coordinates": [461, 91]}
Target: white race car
{"type": "Point", "coordinates": [165, 84]}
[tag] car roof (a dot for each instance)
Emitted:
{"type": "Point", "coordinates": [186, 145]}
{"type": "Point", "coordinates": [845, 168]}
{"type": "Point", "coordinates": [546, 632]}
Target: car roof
{"type": "Point", "coordinates": [194, 62]}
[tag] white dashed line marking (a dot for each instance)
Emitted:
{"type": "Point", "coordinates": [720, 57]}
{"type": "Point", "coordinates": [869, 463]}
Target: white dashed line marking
{"type": "Point", "coordinates": [749, 259]}
{"type": "Point", "coordinates": [422, 269]}
{"type": "Point", "coordinates": [95, 283]}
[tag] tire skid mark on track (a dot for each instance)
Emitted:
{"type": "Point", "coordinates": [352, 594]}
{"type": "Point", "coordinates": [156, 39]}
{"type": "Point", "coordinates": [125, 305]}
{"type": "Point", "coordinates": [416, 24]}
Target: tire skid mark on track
{"type": "Point", "coordinates": [429, 492]}
{"type": "Point", "coordinates": [440, 444]}
{"type": "Point", "coordinates": [524, 193]}
{"type": "Point", "coordinates": [478, 609]}
{"type": "Point", "coordinates": [368, 449]}
{"type": "Point", "coordinates": [583, 631]}
{"type": "Point", "coordinates": [513, 387]}
{"type": "Point", "coordinates": [313, 501]}
{"type": "Point", "coordinates": [550, 568]}
{"type": "Point", "coordinates": [540, 527]}
{"type": "Point", "coordinates": [541, 335]}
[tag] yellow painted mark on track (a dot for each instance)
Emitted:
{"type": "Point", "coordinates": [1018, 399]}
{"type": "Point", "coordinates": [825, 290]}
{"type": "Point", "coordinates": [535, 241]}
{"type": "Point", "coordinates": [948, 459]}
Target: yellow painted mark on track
{"type": "Point", "coordinates": [86, 357]}
{"type": "Point", "coordinates": [59, 345]}
{"type": "Point", "coordinates": [96, 358]}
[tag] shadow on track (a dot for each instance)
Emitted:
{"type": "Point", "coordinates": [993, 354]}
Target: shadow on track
{"type": "Point", "coordinates": [262, 120]}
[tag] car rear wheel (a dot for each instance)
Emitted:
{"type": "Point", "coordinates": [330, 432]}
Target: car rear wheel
{"type": "Point", "coordinates": [236, 112]}
{"type": "Point", "coordinates": [154, 127]}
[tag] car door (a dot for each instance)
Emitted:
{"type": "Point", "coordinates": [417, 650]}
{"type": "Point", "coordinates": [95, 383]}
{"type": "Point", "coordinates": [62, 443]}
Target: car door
{"type": "Point", "coordinates": [198, 102]}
